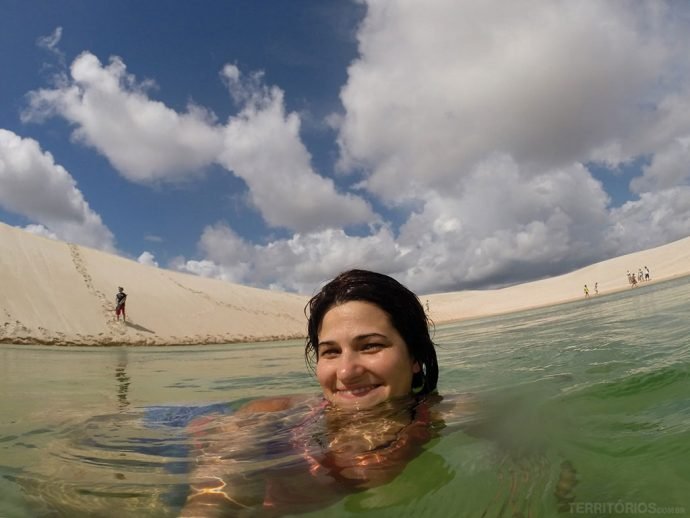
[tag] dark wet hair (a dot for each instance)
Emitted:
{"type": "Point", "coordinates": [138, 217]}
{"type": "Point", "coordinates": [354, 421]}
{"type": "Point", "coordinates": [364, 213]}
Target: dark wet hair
{"type": "Point", "coordinates": [400, 304]}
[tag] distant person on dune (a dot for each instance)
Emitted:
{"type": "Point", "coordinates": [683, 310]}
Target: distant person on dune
{"type": "Point", "coordinates": [120, 298]}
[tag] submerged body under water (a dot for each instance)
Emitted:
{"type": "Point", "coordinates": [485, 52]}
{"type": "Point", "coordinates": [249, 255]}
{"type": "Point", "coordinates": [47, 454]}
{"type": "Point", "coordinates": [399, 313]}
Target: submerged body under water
{"type": "Point", "coordinates": [579, 409]}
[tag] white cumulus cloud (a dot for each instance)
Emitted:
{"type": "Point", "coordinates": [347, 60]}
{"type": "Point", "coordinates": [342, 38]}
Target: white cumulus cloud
{"type": "Point", "coordinates": [263, 147]}
{"type": "Point", "coordinates": [34, 186]}
{"type": "Point", "coordinates": [147, 258]}
{"type": "Point", "coordinates": [299, 263]}
{"type": "Point", "coordinates": [39, 230]}
{"type": "Point", "coordinates": [142, 138]}
{"type": "Point", "coordinates": [147, 141]}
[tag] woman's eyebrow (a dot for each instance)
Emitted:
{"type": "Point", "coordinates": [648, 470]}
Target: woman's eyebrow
{"type": "Point", "coordinates": [370, 335]}
{"type": "Point", "coordinates": [357, 338]}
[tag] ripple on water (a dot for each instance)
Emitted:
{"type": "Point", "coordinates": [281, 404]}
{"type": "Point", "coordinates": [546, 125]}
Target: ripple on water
{"type": "Point", "coordinates": [580, 403]}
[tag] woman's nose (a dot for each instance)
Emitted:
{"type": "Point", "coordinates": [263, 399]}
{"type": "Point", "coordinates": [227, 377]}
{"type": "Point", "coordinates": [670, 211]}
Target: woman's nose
{"type": "Point", "coordinates": [349, 367]}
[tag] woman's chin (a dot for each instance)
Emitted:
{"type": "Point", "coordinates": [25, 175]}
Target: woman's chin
{"type": "Point", "coordinates": [359, 401]}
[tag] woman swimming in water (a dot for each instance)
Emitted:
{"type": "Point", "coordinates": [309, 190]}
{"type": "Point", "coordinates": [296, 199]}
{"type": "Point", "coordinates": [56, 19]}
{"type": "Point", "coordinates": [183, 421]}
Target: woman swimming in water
{"type": "Point", "coordinates": [369, 345]}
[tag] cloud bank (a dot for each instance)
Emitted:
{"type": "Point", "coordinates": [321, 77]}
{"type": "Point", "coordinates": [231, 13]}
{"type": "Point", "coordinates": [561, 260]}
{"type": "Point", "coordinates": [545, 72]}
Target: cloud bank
{"type": "Point", "coordinates": [478, 123]}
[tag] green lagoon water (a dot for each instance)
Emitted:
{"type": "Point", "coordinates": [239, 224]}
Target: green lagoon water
{"type": "Point", "coordinates": [586, 413]}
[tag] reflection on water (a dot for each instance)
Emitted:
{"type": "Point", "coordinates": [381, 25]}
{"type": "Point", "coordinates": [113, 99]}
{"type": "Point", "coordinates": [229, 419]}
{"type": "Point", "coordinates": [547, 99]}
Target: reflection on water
{"type": "Point", "coordinates": [269, 464]}
{"type": "Point", "coordinates": [122, 379]}
{"type": "Point", "coordinates": [584, 403]}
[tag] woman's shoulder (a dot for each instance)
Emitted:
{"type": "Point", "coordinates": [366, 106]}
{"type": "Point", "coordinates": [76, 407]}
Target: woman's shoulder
{"type": "Point", "coordinates": [276, 403]}
{"type": "Point", "coordinates": [253, 413]}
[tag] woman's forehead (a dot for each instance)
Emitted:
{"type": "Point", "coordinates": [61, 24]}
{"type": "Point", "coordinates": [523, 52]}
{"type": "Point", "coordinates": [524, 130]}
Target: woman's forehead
{"type": "Point", "coordinates": [357, 319]}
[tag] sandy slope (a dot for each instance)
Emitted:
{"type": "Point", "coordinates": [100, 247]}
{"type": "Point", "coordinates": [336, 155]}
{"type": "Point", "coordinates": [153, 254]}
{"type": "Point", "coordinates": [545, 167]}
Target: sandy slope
{"type": "Point", "coordinates": [664, 262]}
{"type": "Point", "coordinates": [59, 293]}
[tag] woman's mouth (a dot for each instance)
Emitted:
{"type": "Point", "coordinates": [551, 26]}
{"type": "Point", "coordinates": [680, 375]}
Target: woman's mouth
{"type": "Point", "coordinates": [356, 391]}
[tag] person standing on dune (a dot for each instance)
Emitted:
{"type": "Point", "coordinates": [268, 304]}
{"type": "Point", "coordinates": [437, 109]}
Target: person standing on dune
{"type": "Point", "coordinates": [120, 298]}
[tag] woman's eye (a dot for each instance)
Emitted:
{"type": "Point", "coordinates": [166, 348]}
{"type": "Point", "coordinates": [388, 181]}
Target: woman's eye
{"type": "Point", "coordinates": [328, 353]}
{"type": "Point", "coordinates": [372, 347]}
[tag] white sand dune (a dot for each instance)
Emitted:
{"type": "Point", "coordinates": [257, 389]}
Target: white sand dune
{"type": "Point", "coordinates": [664, 262]}
{"type": "Point", "coordinates": [60, 293]}
{"type": "Point", "coordinates": [63, 294]}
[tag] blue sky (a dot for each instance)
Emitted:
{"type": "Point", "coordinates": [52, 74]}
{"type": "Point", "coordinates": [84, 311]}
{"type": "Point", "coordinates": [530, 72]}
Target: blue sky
{"type": "Point", "coordinates": [450, 144]}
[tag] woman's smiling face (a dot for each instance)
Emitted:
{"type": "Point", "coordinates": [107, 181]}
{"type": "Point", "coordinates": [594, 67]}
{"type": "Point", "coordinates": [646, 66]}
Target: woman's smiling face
{"type": "Point", "coordinates": [362, 359]}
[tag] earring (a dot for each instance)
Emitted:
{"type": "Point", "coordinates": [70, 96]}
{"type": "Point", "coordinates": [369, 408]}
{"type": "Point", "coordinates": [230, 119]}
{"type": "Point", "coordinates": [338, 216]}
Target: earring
{"type": "Point", "coordinates": [416, 390]}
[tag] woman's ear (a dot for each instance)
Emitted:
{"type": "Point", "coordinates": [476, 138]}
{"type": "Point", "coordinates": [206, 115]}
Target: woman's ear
{"type": "Point", "coordinates": [416, 367]}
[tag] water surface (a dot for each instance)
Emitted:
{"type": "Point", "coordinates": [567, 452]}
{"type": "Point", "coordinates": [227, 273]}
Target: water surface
{"type": "Point", "coordinates": [586, 412]}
